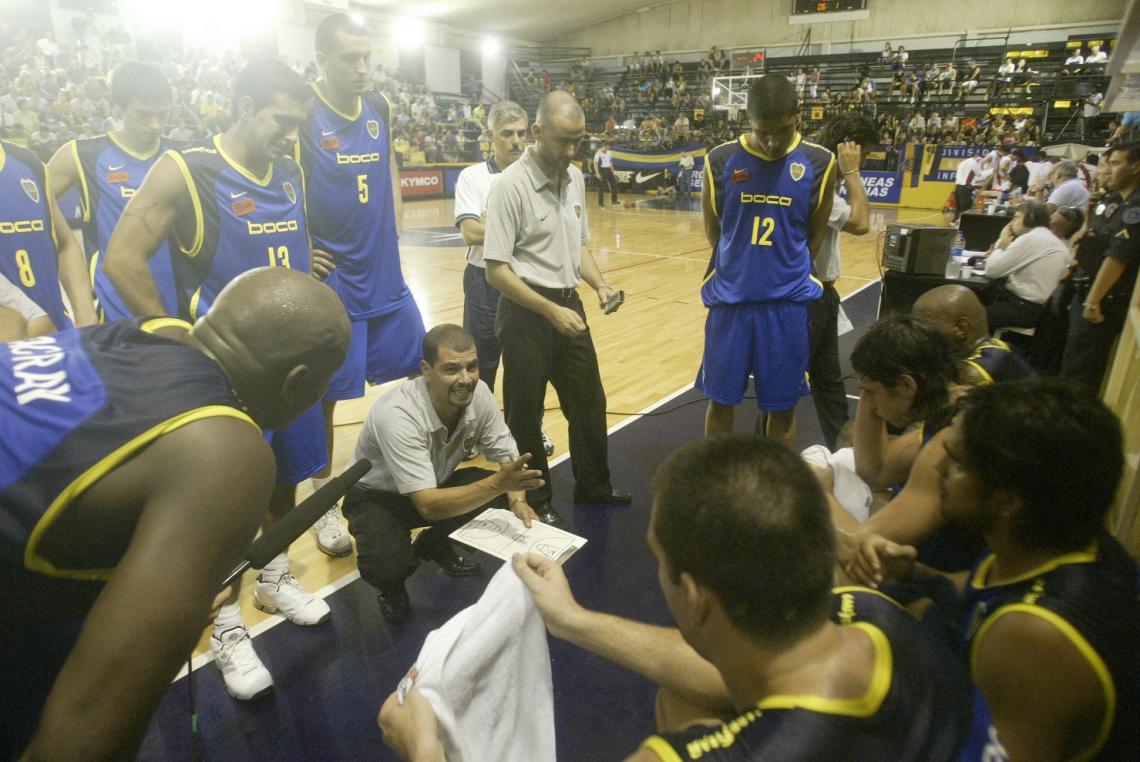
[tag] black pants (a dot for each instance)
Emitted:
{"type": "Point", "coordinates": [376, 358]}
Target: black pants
{"type": "Point", "coordinates": [480, 302]}
{"type": "Point", "coordinates": [534, 354]}
{"type": "Point", "coordinates": [1004, 309]}
{"type": "Point", "coordinates": [827, 390]}
{"type": "Point", "coordinates": [607, 178]}
{"type": "Point", "coordinates": [381, 522]}
{"type": "Point", "coordinates": [963, 199]}
{"type": "Point", "coordinates": [1088, 346]}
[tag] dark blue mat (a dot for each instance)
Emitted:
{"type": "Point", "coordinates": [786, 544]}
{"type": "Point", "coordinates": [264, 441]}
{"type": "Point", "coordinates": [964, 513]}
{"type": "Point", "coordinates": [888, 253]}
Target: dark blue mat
{"type": "Point", "coordinates": [331, 679]}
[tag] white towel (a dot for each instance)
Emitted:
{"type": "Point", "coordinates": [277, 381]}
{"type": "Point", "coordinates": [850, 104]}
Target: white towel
{"type": "Point", "coordinates": [851, 491]}
{"type": "Point", "coordinates": [486, 673]}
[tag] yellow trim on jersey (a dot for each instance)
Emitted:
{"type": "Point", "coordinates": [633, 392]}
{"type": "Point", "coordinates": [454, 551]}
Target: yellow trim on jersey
{"type": "Point", "coordinates": [861, 706]}
{"type": "Point", "coordinates": [100, 469]}
{"type": "Point", "coordinates": [85, 194]}
{"type": "Point", "coordinates": [196, 202]}
{"type": "Point", "coordinates": [157, 324]}
{"type": "Point", "coordinates": [980, 581]}
{"type": "Point", "coordinates": [661, 748]}
{"type": "Point", "coordinates": [828, 181]}
{"type": "Point", "coordinates": [389, 102]}
{"type": "Point", "coordinates": [709, 276]}
{"type": "Point", "coordinates": [860, 589]}
{"type": "Point", "coordinates": [262, 181]}
{"type": "Point", "coordinates": [194, 302]}
{"type": "Point", "coordinates": [49, 209]}
{"type": "Point", "coordinates": [760, 154]}
{"type": "Point", "coordinates": [92, 266]}
{"type": "Point", "coordinates": [338, 112]}
{"type": "Point", "coordinates": [140, 156]}
{"type": "Point", "coordinates": [986, 377]}
{"type": "Point", "coordinates": [815, 280]}
{"type": "Point", "coordinates": [708, 178]}
{"type": "Point", "coordinates": [3, 156]}
{"type": "Point", "coordinates": [1086, 650]}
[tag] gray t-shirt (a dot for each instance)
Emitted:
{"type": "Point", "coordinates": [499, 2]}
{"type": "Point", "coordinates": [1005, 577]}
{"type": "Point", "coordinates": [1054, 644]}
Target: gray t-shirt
{"type": "Point", "coordinates": [827, 258]}
{"type": "Point", "coordinates": [409, 446]}
{"type": "Point", "coordinates": [539, 232]}
{"type": "Point", "coordinates": [1072, 192]}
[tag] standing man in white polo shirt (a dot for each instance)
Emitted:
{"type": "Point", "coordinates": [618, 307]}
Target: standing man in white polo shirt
{"type": "Point", "coordinates": [535, 251]}
{"type": "Point", "coordinates": [414, 437]}
{"type": "Point", "coordinates": [604, 171]}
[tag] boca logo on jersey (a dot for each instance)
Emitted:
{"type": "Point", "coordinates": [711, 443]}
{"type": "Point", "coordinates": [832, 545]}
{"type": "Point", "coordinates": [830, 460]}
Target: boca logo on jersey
{"type": "Point", "coordinates": [373, 127]}
{"type": "Point", "coordinates": [290, 191]}
{"type": "Point", "coordinates": [797, 170]}
{"type": "Point", "coordinates": [31, 189]}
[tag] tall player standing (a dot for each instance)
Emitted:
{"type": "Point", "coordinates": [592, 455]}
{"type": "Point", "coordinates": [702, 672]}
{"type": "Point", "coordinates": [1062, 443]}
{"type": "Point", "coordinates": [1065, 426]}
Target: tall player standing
{"type": "Point", "coordinates": [766, 202]}
{"type": "Point", "coordinates": [109, 169]}
{"type": "Point", "coordinates": [346, 151]}
{"type": "Point", "coordinates": [229, 204]}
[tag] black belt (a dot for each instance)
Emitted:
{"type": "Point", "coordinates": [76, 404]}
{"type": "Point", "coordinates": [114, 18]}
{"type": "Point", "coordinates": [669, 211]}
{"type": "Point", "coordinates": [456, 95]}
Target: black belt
{"type": "Point", "coordinates": [556, 294]}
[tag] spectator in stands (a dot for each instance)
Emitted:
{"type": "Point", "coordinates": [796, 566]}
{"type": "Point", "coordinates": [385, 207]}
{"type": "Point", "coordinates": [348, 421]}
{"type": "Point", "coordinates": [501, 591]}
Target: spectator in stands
{"type": "Point", "coordinates": [1096, 57]}
{"type": "Point", "coordinates": [716, 59]}
{"type": "Point", "coordinates": [1030, 261]}
{"type": "Point", "coordinates": [947, 79]}
{"type": "Point", "coordinates": [885, 55]}
{"type": "Point", "coordinates": [800, 81]}
{"type": "Point", "coordinates": [916, 127]}
{"type": "Point", "coordinates": [898, 85]}
{"type": "Point", "coordinates": [900, 58]}
{"type": "Point", "coordinates": [1004, 77]}
{"type": "Point", "coordinates": [1019, 173]}
{"type": "Point", "coordinates": [1075, 63]}
{"type": "Point", "coordinates": [26, 120]}
{"type": "Point", "coordinates": [969, 82]}
{"type": "Point", "coordinates": [1068, 188]}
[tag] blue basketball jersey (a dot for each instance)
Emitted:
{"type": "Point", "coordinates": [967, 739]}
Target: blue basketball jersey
{"type": "Point", "coordinates": [1090, 596]}
{"type": "Point", "coordinates": [918, 706]}
{"type": "Point", "coordinates": [765, 205]}
{"type": "Point", "coordinates": [29, 256]}
{"type": "Point", "coordinates": [109, 174]}
{"type": "Point", "coordinates": [346, 162]}
{"type": "Point", "coordinates": [242, 222]}
{"type": "Point", "coordinates": [75, 406]}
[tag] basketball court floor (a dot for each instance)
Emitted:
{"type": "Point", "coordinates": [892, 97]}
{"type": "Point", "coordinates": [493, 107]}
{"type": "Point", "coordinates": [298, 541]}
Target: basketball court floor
{"type": "Point", "coordinates": [332, 678]}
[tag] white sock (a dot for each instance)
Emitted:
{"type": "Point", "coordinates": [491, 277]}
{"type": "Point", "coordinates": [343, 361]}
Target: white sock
{"type": "Point", "coordinates": [318, 482]}
{"type": "Point", "coordinates": [229, 616]}
{"type": "Point", "coordinates": [275, 569]}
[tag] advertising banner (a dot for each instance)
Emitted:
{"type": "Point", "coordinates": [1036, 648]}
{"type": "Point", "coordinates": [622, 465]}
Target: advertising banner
{"type": "Point", "coordinates": [421, 183]}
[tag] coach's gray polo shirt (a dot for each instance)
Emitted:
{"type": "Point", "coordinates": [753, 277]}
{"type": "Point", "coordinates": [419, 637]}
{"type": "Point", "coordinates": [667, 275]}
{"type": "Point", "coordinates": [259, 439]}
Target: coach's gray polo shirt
{"type": "Point", "coordinates": [409, 448]}
{"type": "Point", "coordinates": [536, 230]}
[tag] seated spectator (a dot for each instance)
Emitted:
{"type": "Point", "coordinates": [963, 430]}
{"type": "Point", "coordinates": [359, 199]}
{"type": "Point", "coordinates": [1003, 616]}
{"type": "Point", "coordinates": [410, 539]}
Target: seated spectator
{"type": "Point", "coordinates": [885, 55]}
{"type": "Point", "coordinates": [1066, 222]}
{"type": "Point", "coordinates": [415, 437]}
{"type": "Point", "coordinates": [1049, 618]}
{"type": "Point", "coordinates": [1075, 63]}
{"type": "Point", "coordinates": [900, 58]}
{"type": "Point", "coordinates": [1096, 57]}
{"type": "Point", "coordinates": [947, 79]}
{"type": "Point", "coordinates": [958, 313]}
{"type": "Point", "coordinates": [1019, 172]}
{"type": "Point", "coordinates": [970, 81]}
{"type": "Point", "coordinates": [916, 126]}
{"type": "Point", "coordinates": [1030, 261]}
{"type": "Point", "coordinates": [1068, 189]}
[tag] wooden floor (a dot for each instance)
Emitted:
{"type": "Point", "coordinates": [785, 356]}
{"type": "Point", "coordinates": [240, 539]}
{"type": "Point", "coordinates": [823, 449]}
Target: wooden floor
{"type": "Point", "coordinates": [647, 350]}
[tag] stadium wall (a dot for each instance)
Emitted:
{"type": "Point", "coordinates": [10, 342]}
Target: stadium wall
{"type": "Point", "coordinates": [699, 24]}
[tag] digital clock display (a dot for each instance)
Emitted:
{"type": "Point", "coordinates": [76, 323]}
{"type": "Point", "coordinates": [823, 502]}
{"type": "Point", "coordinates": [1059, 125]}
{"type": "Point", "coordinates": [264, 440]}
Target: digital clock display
{"type": "Point", "coordinates": [800, 7]}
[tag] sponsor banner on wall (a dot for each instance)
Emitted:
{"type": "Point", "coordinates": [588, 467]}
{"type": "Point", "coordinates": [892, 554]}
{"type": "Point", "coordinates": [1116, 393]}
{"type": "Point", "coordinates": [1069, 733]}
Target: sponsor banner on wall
{"type": "Point", "coordinates": [641, 171]}
{"type": "Point", "coordinates": [882, 187]}
{"type": "Point", "coordinates": [421, 183]}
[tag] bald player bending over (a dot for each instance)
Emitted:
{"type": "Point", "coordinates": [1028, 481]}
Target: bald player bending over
{"type": "Point", "coordinates": [960, 316]}
{"type": "Point", "coordinates": [150, 482]}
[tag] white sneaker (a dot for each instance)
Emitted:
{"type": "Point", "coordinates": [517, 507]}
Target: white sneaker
{"type": "Point", "coordinates": [331, 537]}
{"type": "Point", "coordinates": [547, 444]}
{"type": "Point", "coordinates": [288, 598]}
{"type": "Point", "coordinates": [244, 674]}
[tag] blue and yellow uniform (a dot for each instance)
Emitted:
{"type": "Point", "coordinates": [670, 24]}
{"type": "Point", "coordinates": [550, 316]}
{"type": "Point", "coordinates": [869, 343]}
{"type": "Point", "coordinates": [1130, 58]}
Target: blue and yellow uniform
{"type": "Point", "coordinates": [242, 222]}
{"type": "Point", "coordinates": [29, 248]}
{"type": "Point", "coordinates": [346, 163]}
{"type": "Point", "coordinates": [1090, 596]}
{"type": "Point", "coordinates": [919, 705]}
{"type": "Point", "coordinates": [75, 407]}
{"type": "Point", "coordinates": [994, 362]}
{"type": "Point", "coordinates": [760, 278]}
{"type": "Point", "coordinates": [109, 174]}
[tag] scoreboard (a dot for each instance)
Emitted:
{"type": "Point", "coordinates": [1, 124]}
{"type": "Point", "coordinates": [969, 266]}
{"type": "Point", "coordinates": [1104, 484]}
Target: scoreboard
{"type": "Point", "coordinates": [801, 7]}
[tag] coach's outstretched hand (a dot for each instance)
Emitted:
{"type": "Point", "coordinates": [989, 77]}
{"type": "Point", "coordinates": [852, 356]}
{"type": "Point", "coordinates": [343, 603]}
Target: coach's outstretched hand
{"type": "Point", "coordinates": [551, 591]}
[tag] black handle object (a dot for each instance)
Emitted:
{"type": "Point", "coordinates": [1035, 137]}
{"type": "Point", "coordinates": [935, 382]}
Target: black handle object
{"type": "Point", "coordinates": [293, 524]}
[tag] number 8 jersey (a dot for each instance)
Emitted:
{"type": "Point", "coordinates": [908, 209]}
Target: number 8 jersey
{"type": "Point", "coordinates": [241, 222]}
{"type": "Point", "coordinates": [28, 253]}
{"type": "Point", "coordinates": [765, 204]}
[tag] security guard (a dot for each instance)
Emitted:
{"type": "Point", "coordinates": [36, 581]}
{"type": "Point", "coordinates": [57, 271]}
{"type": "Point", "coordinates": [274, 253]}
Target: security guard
{"type": "Point", "coordinates": [1107, 261]}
